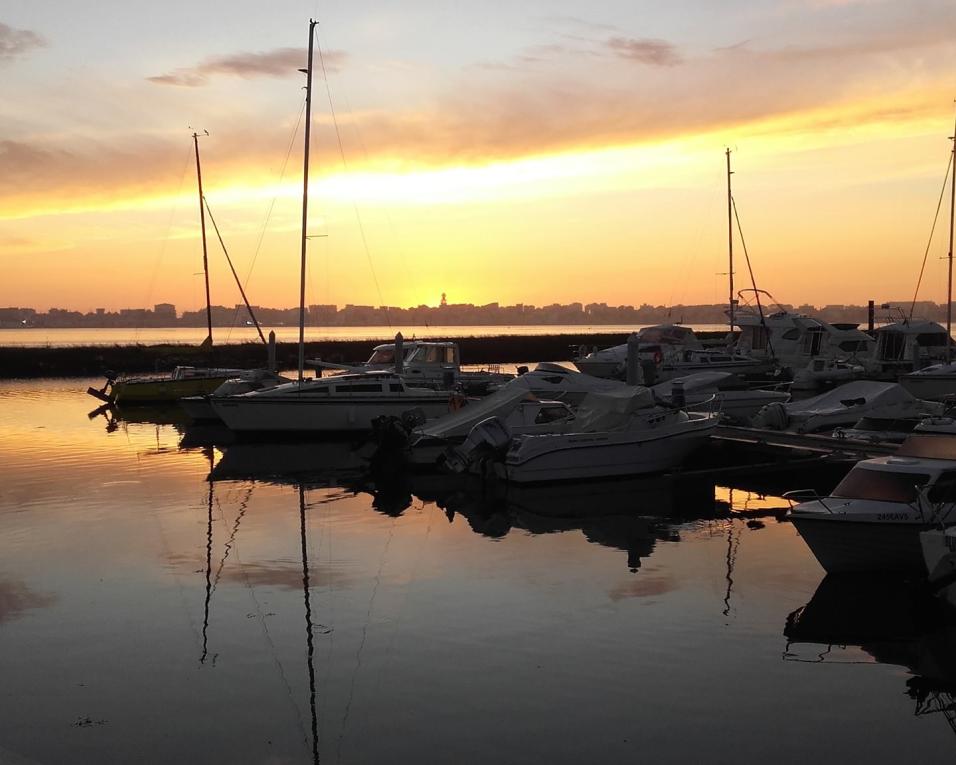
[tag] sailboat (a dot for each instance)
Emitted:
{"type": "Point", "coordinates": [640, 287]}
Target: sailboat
{"type": "Point", "coordinates": [341, 404]}
{"type": "Point", "coordinates": [183, 381]}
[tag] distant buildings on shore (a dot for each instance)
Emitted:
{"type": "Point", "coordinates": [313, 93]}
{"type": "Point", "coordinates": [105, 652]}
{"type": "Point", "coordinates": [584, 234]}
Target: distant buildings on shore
{"type": "Point", "coordinates": [462, 314]}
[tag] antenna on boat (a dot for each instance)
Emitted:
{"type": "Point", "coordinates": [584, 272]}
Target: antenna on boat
{"type": "Point", "coordinates": [207, 343]}
{"type": "Point", "coordinates": [730, 243]}
{"type": "Point", "coordinates": [305, 198]}
{"type": "Point", "coordinates": [949, 284]}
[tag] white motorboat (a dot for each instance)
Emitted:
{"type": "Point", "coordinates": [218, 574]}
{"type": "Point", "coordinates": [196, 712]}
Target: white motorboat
{"type": "Point", "coordinates": [909, 345]}
{"type": "Point", "coordinates": [200, 409]}
{"type": "Point", "coordinates": [668, 351]}
{"type": "Point", "coordinates": [737, 403]}
{"type": "Point", "coordinates": [799, 342]}
{"type": "Point", "coordinates": [425, 364]}
{"type": "Point", "coordinates": [618, 433]}
{"type": "Point", "coordinates": [327, 405]}
{"type": "Point", "coordinates": [872, 520]}
{"type": "Point", "coordinates": [521, 413]}
{"type": "Point", "coordinates": [934, 383]}
{"type": "Point", "coordinates": [844, 406]}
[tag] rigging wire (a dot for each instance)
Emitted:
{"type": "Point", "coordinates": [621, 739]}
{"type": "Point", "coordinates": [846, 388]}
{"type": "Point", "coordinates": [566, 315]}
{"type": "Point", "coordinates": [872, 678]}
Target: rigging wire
{"type": "Point", "coordinates": [345, 165]}
{"type": "Point", "coordinates": [753, 280]}
{"type": "Point", "coordinates": [233, 269]}
{"type": "Point", "coordinates": [932, 231]}
{"type": "Point", "coordinates": [272, 204]}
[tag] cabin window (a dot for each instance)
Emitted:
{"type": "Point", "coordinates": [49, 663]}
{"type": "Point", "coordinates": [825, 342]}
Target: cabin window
{"type": "Point", "coordinates": [433, 355]}
{"type": "Point", "coordinates": [879, 485]}
{"type": "Point", "coordinates": [383, 356]}
{"type": "Point", "coordinates": [930, 339]}
{"type": "Point", "coordinates": [812, 342]}
{"type": "Point", "coordinates": [944, 490]}
{"type": "Point", "coordinates": [853, 346]}
{"type": "Point", "coordinates": [359, 388]}
{"type": "Point", "coordinates": [550, 414]}
{"type": "Point", "coordinates": [449, 355]}
{"type": "Point", "coordinates": [396, 387]}
{"type": "Point", "coordinates": [791, 334]}
{"type": "Point", "coordinates": [757, 336]}
{"type": "Point", "coordinates": [891, 345]}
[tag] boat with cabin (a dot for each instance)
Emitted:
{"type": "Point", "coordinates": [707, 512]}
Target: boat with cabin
{"type": "Point", "coordinates": [424, 363]}
{"type": "Point", "coordinates": [871, 522]}
{"type": "Point", "coordinates": [328, 405]}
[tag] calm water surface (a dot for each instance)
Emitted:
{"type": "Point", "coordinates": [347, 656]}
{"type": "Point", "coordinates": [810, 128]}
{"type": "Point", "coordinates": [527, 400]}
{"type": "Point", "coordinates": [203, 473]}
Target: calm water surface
{"type": "Point", "coordinates": [270, 604]}
{"type": "Point", "coordinates": [65, 337]}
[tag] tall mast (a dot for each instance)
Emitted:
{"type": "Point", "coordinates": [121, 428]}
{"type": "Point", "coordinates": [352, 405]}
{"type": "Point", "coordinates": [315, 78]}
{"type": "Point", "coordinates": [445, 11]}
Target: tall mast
{"type": "Point", "coordinates": [730, 243]}
{"type": "Point", "coordinates": [305, 200]}
{"type": "Point", "coordinates": [205, 255]}
{"type": "Point", "coordinates": [949, 283]}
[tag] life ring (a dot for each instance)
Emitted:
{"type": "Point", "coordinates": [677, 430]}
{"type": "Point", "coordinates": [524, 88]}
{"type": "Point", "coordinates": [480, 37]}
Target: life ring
{"type": "Point", "coordinates": [456, 401]}
{"type": "Point", "coordinates": [658, 357]}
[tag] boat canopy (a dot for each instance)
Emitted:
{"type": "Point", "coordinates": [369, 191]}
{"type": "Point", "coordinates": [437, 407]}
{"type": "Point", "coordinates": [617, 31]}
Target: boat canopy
{"type": "Point", "coordinates": [857, 393]}
{"type": "Point", "coordinates": [460, 423]}
{"type": "Point", "coordinates": [612, 410]}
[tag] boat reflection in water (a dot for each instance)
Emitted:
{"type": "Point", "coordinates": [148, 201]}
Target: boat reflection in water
{"type": "Point", "coordinates": [630, 515]}
{"type": "Point", "coordinates": [854, 619]}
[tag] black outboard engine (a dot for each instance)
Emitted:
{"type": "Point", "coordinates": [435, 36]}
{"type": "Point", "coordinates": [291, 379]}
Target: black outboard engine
{"type": "Point", "coordinates": [489, 439]}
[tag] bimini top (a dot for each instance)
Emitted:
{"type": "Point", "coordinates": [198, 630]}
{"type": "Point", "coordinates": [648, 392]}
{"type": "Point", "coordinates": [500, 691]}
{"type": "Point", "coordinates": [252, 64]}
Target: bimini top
{"type": "Point", "coordinates": [611, 409]}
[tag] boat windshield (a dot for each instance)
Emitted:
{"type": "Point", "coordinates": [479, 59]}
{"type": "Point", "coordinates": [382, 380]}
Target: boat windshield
{"type": "Point", "coordinates": [383, 356]}
{"type": "Point", "coordinates": [880, 485]}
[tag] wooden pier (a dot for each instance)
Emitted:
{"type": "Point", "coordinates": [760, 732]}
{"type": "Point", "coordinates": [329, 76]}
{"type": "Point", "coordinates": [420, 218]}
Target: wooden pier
{"type": "Point", "coordinates": [805, 442]}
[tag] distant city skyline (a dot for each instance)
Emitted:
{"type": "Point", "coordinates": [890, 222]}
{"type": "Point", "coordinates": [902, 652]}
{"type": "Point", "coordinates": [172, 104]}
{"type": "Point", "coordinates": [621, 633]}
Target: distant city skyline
{"type": "Point", "coordinates": [451, 314]}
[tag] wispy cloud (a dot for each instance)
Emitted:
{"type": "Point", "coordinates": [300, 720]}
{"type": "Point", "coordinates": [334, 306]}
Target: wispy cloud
{"type": "Point", "coordinates": [17, 42]}
{"type": "Point", "coordinates": [280, 62]}
{"type": "Point", "coordinates": [645, 50]}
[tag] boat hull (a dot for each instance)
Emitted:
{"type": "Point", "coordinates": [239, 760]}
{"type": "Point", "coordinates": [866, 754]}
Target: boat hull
{"type": "Point", "coordinates": [199, 409]}
{"type": "Point", "coordinates": [583, 456]}
{"type": "Point", "coordinates": [285, 415]}
{"type": "Point", "coordinates": [846, 546]}
{"type": "Point", "coordinates": [126, 392]}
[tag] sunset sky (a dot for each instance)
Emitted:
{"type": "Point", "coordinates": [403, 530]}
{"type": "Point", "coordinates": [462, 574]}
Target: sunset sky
{"type": "Point", "coordinates": [536, 151]}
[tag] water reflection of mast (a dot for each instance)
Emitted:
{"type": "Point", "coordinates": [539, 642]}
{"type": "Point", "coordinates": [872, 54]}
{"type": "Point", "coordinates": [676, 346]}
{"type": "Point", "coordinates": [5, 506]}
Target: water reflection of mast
{"type": "Point", "coordinates": [309, 637]}
{"type": "Point", "coordinates": [205, 617]}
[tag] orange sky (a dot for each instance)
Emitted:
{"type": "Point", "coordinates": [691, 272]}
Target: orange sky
{"type": "Point", "coordinates": [520, 156]}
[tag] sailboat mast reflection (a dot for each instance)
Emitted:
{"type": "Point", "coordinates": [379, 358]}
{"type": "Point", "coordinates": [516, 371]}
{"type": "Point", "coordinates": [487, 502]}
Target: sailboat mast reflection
{"type": "Point", "coordinates": [309, 637]}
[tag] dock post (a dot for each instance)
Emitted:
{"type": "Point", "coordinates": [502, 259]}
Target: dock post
{"type": "Point", "coordinates": [272, 351]}
{"type": "Point", "coordinates": [399, 353]}
{"type": "Point", "coordinates": [635, 375]}
{"type": "Point", "coordinates": [870, 315]}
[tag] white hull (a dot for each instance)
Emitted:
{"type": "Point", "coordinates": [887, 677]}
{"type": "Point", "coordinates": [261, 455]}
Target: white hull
{"type": "Point", "coordinates": [312, 414]}
{"type": "Point", "coordinates": [578, 456]}
{"type": "Point", "coordinates": [846, 546]}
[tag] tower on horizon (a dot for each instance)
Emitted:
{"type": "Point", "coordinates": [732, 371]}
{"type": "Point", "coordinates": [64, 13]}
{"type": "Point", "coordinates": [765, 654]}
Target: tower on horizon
{"type": "Point", "coordinates": [444, 300]}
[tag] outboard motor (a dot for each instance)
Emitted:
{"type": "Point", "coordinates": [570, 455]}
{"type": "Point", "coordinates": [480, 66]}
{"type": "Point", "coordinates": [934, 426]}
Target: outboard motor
{"type": "Point", "coordinates": [488, 438]}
